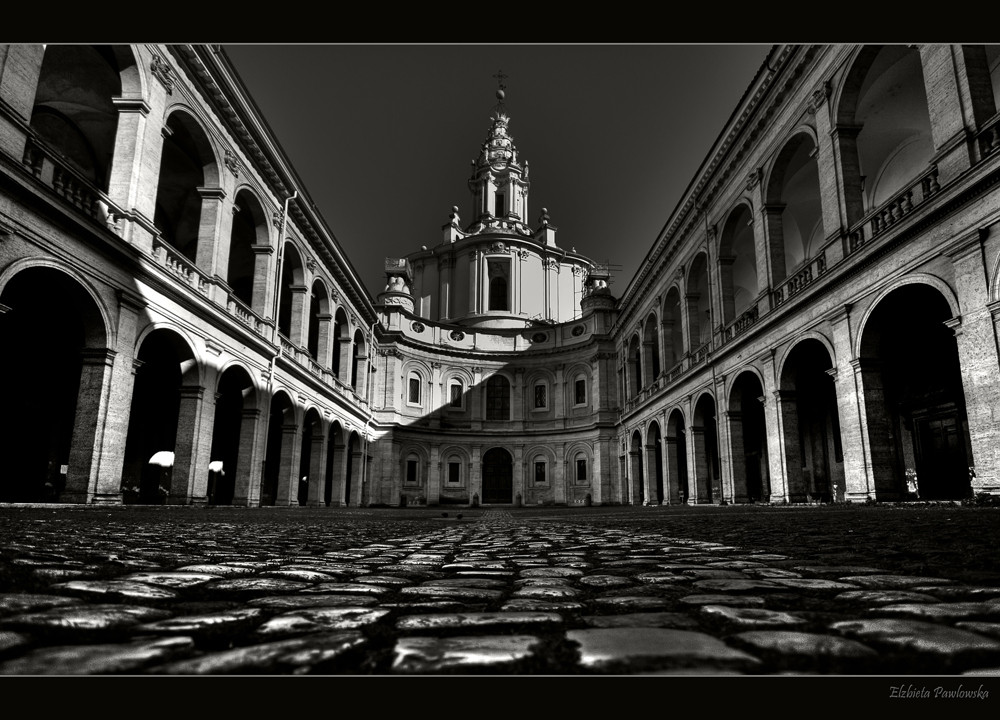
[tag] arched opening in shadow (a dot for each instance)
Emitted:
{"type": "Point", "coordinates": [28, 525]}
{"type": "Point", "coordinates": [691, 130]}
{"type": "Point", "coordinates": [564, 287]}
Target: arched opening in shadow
{"type": "Point", "coordinates": [793, 210]}
{"type": "Point", "coordinates": [312, 436]}
{"type": "Point", "coordinates": [165, 364]}
{"type": "Point", "coordinates": [914, 401]}
{"type": "Point", "coordinates": [498, 477]}
{"type": "Point", "coordinates": [654, 462]}
{"type": "Point", "coordinates": [738, 264]}
{"type": "Point", "coordinates": [635, 461]}
{"type": "Point", "coordinates": [748, 440]}
{"type": "Point", "coordinates": [673, 330]}
{"type": "Point", "coordinates": [185, 209]}
{"type": "Point", "coordinates": [885, 101]}
{"type": "Point", "coordinates": [292, 296]}
{"type": "Point", "coordinates": [281, 431]}
{"type": "Point", "coordinates": [47, 427]}
{"type": "Point", "coordinates": [246, 271]}
{"type": "Point", "coordinates": [814, 458]}
{"type": "Point", "coordinates": [677, 466]}
{"type": "Point", "coordinates": [231, 439]}
{"type": "Point", "coordinates": [699, 306]}
{"type": "Point", "coordinates": [651, 348]}
{"type": "Point", "coordinates": [74, 110]}
{"type": "Point", "coordinates": [705, 435]}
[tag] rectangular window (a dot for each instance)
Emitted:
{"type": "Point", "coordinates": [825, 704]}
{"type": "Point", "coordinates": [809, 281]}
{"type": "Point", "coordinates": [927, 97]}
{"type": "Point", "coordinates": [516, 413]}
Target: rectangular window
{"type": "Point", "coordinates": [454, 472]}
{"type": "Point", "coordinates": [411, 471]}
{"type": "Point", "coordinates": [456, 395]}
{"type": "Point", "coordinates": [581, 469]}
{"type": "Point", "coordinates": [415, 391]}
{"type": "Point", "coordinates": [498, 399]}
{"type": "Point", "coordinates": [540, 402]}
{"type": "Point", "coordinates": [501, 201]}
{"type": "Point", "coordinates": [580, 390]}
{"type": "Point", "coordinates": [539, 473]}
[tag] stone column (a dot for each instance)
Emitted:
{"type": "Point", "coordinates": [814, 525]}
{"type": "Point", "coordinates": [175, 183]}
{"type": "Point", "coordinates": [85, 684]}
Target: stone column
{"type": "Point", "coordinates": [672, 478]}
{"type": "Point", "coordinates": [118, 404]}
{"type": "Point", "coordinates": [788, 419]}
{"type": "Point", "coordinates": [20, 67]}
{"type": "Point", "coordinates": [845, 151]}
{"type": "Point", "coordinates": [317, 468]}
{"type": "Point", "coordinates": [976, 337]}
{"type": "Point", "coordinates": [858, 485]}
{"type": "Point", "coordinates": [774, 247]}
{"type": "Point", "coordinates": [476, 473]}
{"type": "Point", "coordinates": [324, 342]}
{"type": "Point", "coordinates": [299, 319]}
{"type": "Point", "coordinates": [434, 479]}
{"type": "Point", "coordinates": [288, 464]}
{"type": "Point", "coordinates": [734, 457]}
{"type": "Point", "coordinates": [518, 478]}
{"type": "Point", "coordinates": [944, 105]}
{"type": "Point", "coordinates": [209, 254]}
{"type": "Point", "coordinates": [91, 408]}
{"type": "Point", "coordinates": [246, 490]}
{"type": "Point", "coordinates": [195, 420]}
{"type": "Point", "coordinates": [559, 475]}
{"type": "Point", "coordinates": [340, 459]}
{"type": "Point", "coordinates": [262, 300]}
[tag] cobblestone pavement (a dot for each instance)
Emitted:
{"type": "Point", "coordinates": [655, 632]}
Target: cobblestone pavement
{"type": "Point", "coordinates": [434, 591]}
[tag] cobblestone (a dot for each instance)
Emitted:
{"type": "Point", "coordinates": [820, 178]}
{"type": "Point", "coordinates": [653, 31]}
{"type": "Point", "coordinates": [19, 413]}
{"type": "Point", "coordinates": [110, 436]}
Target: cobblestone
{"type": "Point", "coordinates": [293, 591]}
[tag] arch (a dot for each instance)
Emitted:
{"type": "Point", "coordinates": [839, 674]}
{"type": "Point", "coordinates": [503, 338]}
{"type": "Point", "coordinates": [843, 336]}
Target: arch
{"type": "Point", "coordinates": [279, 449]}
{"type": "Point", "coordinates": [292, 294]}
{"type": "Point", "coordinates": [359, 364]}
{"type": "Point", "coordinates": [793, 210]}
{"type": "Point", "coordinates": [704, 432]}
{"type": "Point", "coordinates": [498, 476]}
{"type": "Point", "coordinates": [188, 165]}
{"type": "Point", "coordinates": [246, 275]}
{"type": "Point", "coordinates": [676, 458]}
{"type": "Point", "coordinates": [651, 347]}
{"type": "Point", "coordinates": [98, 329]}
{"type": "Point", "coordinates": [167, 373]}
{"type": "Point", "coordinates": [781, 358]}
{"type": "Point", "coordinates": [634, 365]}
{"type": "Point", "coordinates": [698, 302]}
{"type": "Point", "coordinates": [883, 100]}
{"type": "Point", "coordinates": [654, 462]}
{"type": "Point", "coordinates": [748, 437]}
{"type": "Point", "coordinates": [313, 436]}
{"type": "Point", "coordinates": [232, 434]}
{"type": "Point", "coordinates": [497, 392]}
{"type": "Point", "coordinates": [738, 263]}
{"type": "Point", "coordinates": [54, 398]}
{"type": "Point", "coordinates": [810, 422]}
{"type": "Point", "coordinates": [915, 409]}
{"type": "Point", "coordinates": [673, 328]}
{"type": "Point", "coordinates": [942, 287]}
{"type": "Point", "coordinates": [414, 386]}
{"type": "Point", "coordinates": [637, 476]}
{"type": "Point", "coordinates": [319, 322]}
{"type": "Point", "coordinates": [341, 344]}
{"type": "Point", "coordinates": [73, 107]}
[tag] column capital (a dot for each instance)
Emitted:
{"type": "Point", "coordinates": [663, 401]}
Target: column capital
{"type": "Point", "coordinates": [211, 193]}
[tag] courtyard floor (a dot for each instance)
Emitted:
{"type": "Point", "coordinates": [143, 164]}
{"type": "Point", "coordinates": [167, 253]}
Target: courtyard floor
{"type": "Point", "coordinates": [894, 591]}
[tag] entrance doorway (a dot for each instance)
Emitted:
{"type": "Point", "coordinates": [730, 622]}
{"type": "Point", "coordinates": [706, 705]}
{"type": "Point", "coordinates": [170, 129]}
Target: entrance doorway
{"type": "Point", "coordinates": [498, 477]}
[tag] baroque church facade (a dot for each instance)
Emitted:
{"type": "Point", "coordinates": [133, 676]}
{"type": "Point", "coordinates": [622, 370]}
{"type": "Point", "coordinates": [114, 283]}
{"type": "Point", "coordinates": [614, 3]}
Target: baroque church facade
{"type": "Point", "coordinates": [817, 320]}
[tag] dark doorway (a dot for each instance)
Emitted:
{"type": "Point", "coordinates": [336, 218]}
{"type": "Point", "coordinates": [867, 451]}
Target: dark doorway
{"type": "Point", "coordinates": [498, 477]}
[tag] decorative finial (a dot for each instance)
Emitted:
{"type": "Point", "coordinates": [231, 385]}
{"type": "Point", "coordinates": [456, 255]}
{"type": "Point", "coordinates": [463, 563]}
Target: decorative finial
{"type": "Point", "coordinates": [500, 84]}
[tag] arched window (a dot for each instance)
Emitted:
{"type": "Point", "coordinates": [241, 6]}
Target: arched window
{"type": "Point", "coordinates": [456, 394]}
{"type": "Point", "coordinates": [413, 389]}
{"type": "Point", "coordinates": [498, 398]}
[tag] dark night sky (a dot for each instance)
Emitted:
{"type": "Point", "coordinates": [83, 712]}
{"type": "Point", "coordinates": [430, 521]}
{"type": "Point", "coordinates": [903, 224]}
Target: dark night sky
{"type": "Point", "coordinates": [382, 136]}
